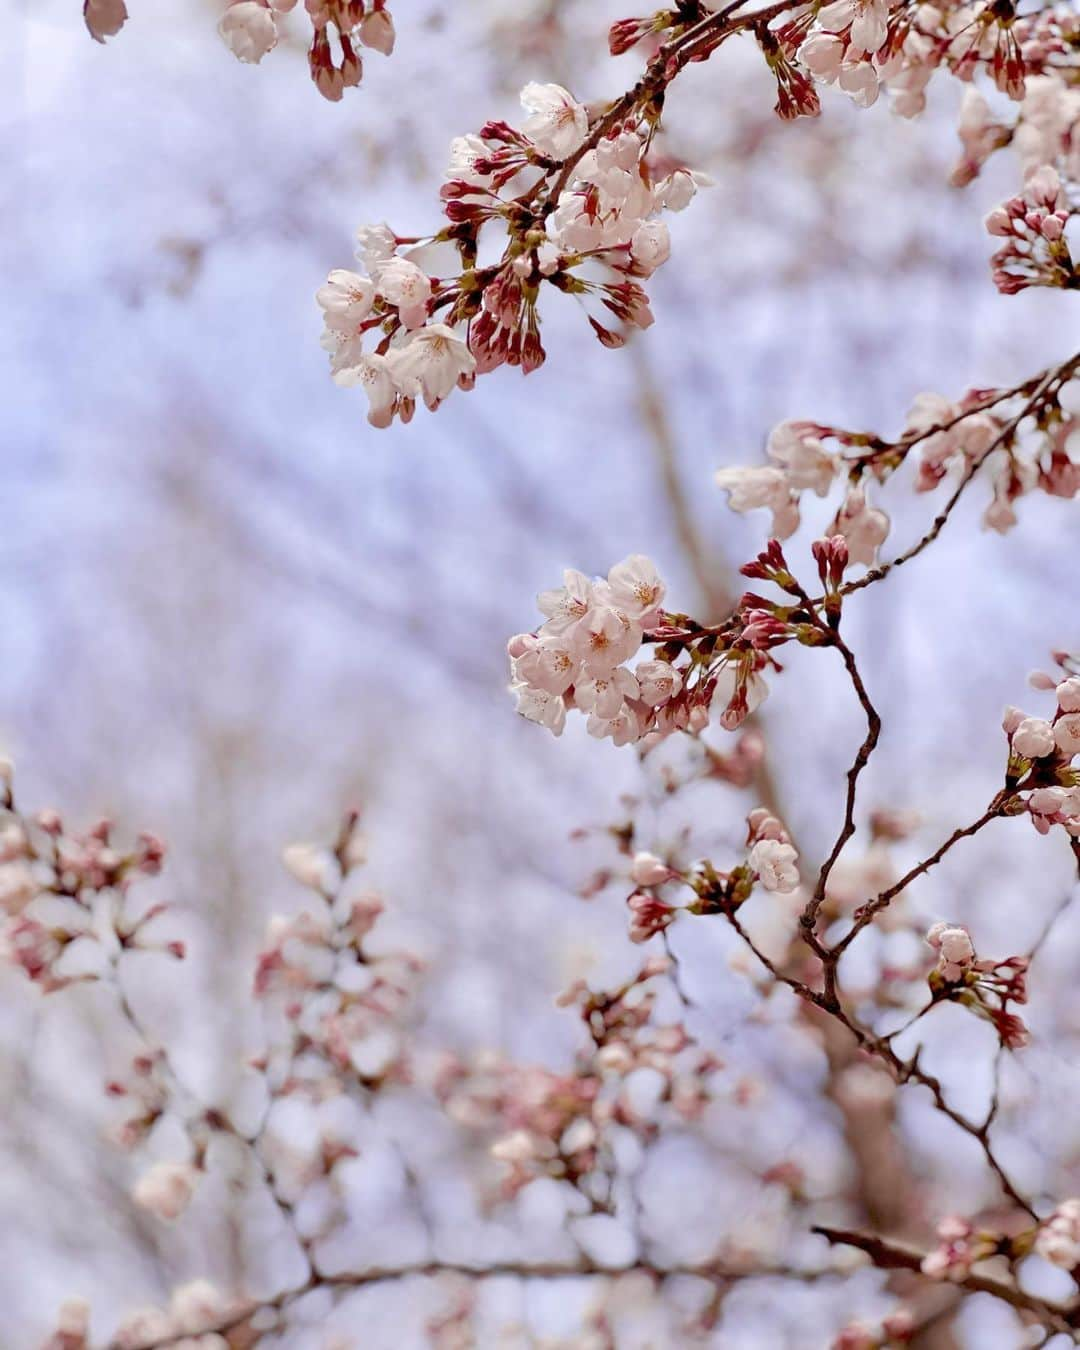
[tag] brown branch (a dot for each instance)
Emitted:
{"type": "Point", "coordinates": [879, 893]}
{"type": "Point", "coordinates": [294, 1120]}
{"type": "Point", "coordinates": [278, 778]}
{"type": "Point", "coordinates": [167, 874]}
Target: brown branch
{"type": "Point", "coordinates": [697, 42]}
{"type": "Point", "coordinates": [808, 919]}
{"type": "Point", "coordinates": [896, 1256]}
{"type": "Point", "coordinates": [238, 1319]}
{"type": "Point", "coordinates": [866, 913]}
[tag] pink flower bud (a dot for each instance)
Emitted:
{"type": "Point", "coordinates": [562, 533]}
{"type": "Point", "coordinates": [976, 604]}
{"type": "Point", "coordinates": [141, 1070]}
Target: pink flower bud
{"type": "Point", "coordinates": [1068, 694]}
{"type": "Point", "coordinates": [648, 870]}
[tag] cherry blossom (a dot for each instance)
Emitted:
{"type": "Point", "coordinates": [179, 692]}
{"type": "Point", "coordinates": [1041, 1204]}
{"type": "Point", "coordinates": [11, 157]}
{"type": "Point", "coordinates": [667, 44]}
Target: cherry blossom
{"type": "Point", "coordinates": [249, 30]}
{"type": "Point", "coordinates": [1033, 738]}
{"type": "Point", "coordinates": [774, 862]}
{"type": "Point", "coordinates": [863, 526]}
{"type": "Point", "coordinates": [556, 124]}
{"type": "Point", "coordinates": [751, 489]}
{"type": "Point", "coordinates": [1058, 1240]}
{"type": "Point", "coordinates": [431, 363]}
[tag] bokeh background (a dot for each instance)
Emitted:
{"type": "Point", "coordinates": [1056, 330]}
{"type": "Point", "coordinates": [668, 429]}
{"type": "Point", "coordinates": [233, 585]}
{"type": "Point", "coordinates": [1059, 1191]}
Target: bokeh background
{"type": "Point", "coordinates": [229, 607]}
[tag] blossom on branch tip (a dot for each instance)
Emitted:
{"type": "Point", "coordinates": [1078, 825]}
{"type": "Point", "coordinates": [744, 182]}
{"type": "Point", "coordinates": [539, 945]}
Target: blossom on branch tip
{"type": "Point", "coordinates": [556, 123]}
{"type": "Point", "coordinates": [956, 952]}
{"type": "Point", "coordinates": [959, 1248]}
{"type": "Point", "coordinates": [775, 864]}
{"type": "Point", "coordinates": [649, 915]}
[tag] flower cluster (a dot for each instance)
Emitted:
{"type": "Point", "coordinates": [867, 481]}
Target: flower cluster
{"type": "Point", "coordinates": [575, 192]}
{"type": "Point", "coordinates": [557, 1125]}
{"type": "Point", "coordinates": [843, 44]}
{"type": "Point", "coordinates": [771, 861]}
{"type": "Point", "coordinates": [772, 857]}
{"type": "Point", "coordinates": [577, 658]}
{"type": "Point", "coordinates": [341, 1005]}
{"type": "Point", "coordinates": [985, 428]}
{"type": "Point", "coordinates": [1035, 251]}
{"type": "Point", "coordinates": [249, 28]}
{"type": "Point", "coordinates": [427, 362]}
{"type": "Point", "coordinates": [986, 987]}
{"type": "Point", "coordinates": [801, 463]}
{"type": "Point", "coordinates": [68, 897]}
{"type": "Point", "coordinates": [577, 218]}
{"type": "Point", "coordinates": [863, 46]}
{"type": "Point", "coordinates": [959, 1247]}
{"type": "Point", "coordinates": [1041, 755]}
{"type": "Point", "coordinates": [194, 1309]}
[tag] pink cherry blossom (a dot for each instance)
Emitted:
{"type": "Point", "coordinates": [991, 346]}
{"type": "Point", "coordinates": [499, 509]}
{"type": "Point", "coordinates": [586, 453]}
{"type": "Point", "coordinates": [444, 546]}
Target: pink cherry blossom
{"type": "Point", "coordinates": [556, 124]}
{"type": "Point", "coordinates": [248, 30]}
{"type": "Point", "coordinates": [1033, 738]}
{"type": "Point", "coordinates": [431, 363]}
{"type": "Point", "coordinates": [166, 1189]}
{"type": "Point", "coordinates": [774, 862]}
{"type": "Point", "coordinates": [635, 587]}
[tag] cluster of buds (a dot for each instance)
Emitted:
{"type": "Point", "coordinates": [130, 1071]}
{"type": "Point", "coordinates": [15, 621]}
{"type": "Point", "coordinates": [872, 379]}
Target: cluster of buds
{"type": "Point", "coordinates": [195, 1310]}
{"type": "Point", "coordinates": [649, 913]}
{"type": "Point", "coordinates": [1035, 251]}
{"type": "Point", "coordinates": [959, 1248]}
{"type": "Point", "coordinates": [1046, 131]}
{"type": "Point", "coordinates": [249, 28]}
{"type": "Point", "coordinates": [862, 46]}
{"type": "Point", "coordinates": [1041, 755]}
{"type": "Point", "coordinates": [982, 37]}
{"type": "Point", "coordinates": [845, 46]}
{"type": "Point", "coordinates": [688, 22]}
{"type": "Point", "coordinates": [772, 856]}
{"type": "Point", "coordinates": [943, 437]}
{"type": "Point", "coordinates": [765, 624]}
{"type": "Point", "coordinates": [67, 897]}
{"type": "Point", "coordinates": [341, 1005]}
{"type": "Point", "coordinates": [771, 862]}
{"type": "Point", "coordinates": [891, 1333]}
{"type": "Point", "coordinates": [555, 1125]}
{"type": "Point", "coordinates": [985, 987]}
{"type": "Point", "coordinates": [577, 218]}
